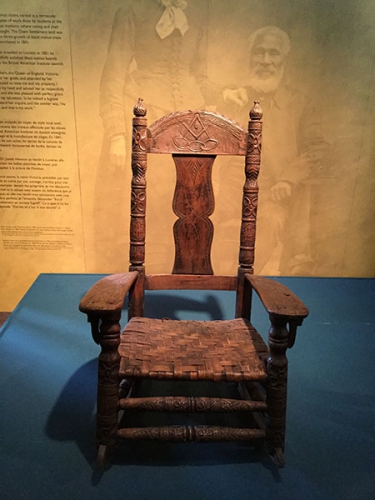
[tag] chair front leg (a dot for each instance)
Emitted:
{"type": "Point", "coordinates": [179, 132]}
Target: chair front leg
{"type": "Point", "coordinates": [277, 369]}
{"type": "Point", "coordinates": [108, 336]}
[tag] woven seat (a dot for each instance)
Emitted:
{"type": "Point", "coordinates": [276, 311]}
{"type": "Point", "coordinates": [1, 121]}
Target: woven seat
{"type": "Point", "coordinates": [192, 350]}
{"type": "Point", "coordinates": [190, 355]}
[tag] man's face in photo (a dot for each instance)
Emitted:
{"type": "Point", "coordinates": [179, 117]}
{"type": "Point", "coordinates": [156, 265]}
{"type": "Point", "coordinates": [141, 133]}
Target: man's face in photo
{"type": "Point", "coordinates": [267, 62]}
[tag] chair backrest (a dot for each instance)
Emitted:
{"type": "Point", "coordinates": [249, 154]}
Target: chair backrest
{"type": "Point", "coordinates": [194, 139]}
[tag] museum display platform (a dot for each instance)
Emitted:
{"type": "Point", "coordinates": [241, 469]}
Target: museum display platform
{"type": "Point", "coordinates": [48, 383]}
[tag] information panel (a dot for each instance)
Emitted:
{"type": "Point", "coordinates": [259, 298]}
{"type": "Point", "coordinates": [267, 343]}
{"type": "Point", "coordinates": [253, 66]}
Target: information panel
{"type": "Point", "coordinates": [40, 207]}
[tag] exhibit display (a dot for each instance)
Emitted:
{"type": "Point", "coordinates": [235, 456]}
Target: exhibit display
{"type": "Point", "coordinates": [70, 72]}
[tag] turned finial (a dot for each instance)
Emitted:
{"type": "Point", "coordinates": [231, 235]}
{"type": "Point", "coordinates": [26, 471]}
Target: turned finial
{"type": "Point", "coordinates": [140, 109]}
{"type": "Point", "coordinates": [256, 112]}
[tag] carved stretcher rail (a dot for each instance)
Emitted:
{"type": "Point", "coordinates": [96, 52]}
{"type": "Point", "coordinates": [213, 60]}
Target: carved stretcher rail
{"type": "Point", "coordinates": [190, 404]}
{"type": "Point", "coordinates": [191, 433]}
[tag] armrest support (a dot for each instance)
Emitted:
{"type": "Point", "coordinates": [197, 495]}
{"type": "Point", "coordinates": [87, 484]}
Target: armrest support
{"type": "Point", "coordinates": [103, 304]}
{"type": "Point", "coordinates": [108, 294]}
{"type": "Point", "coordinates": [280, 303]}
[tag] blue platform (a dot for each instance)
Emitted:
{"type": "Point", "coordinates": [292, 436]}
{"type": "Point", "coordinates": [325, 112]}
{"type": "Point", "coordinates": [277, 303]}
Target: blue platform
{"type": "Point", "coordinates": [47, 397]}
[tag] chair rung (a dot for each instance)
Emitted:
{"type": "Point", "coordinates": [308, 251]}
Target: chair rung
{"type": "Point", "coordinates": [191, 433]}
{"type": "Point", "coordinates": [191, 404]}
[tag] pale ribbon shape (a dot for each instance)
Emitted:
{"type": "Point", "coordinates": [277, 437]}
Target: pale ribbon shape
{"type": "Point", "coordinates": [171, 19]}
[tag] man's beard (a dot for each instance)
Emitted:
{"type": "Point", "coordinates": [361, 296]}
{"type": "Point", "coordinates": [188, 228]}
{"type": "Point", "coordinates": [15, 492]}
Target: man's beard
{"type": "Point", "coordinates": [266, 85]}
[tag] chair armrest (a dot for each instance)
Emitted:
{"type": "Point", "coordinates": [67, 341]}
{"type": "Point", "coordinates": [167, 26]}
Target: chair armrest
{"type": "Point", "coordinates": [108, 294]}
{"type": "Point", "coordinates": [281, 304]}
{"type": "Point", "coordinates": [277, 299]}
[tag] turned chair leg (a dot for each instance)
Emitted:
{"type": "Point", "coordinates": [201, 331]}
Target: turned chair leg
{"type": "Point", "coordinates": [108, 385]}
{"type": "Point", "coordinates": [277, 369]}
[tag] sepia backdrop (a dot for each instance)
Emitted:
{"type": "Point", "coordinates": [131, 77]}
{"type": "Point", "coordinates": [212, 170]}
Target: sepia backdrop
{"type": "Point", "coordinates": [70, 73]}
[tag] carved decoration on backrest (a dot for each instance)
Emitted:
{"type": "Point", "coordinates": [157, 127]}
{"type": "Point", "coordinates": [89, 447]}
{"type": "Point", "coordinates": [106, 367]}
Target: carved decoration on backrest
{"type": "Point", "coordinates": [194, 138]}
{"type": "Point", "coordinates": [193, 203]}
{"type": "Point", "coordinates": [197, 132]}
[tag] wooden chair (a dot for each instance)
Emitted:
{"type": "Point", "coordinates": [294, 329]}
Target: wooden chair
{"type": "Point", "coordinates": [173, 350]}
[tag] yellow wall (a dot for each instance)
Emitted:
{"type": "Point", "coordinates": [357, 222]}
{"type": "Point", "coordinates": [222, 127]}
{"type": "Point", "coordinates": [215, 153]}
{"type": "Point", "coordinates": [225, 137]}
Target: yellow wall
{"type": "Point", "coordinates": [63, 201]}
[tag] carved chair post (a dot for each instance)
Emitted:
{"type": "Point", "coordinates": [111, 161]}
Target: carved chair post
{"type": "Point", "coordinates": [277, 370]}
{"type": "Point", "coordinates": [249, 209]}
{"type": "Point", "coordinates": [250, 189]}
{"type": "Point", "coordinates": [138, 204]}
{"type": "Point", "coordinates": [138, 195]}
{"type": "Point", "coordinates": [106, 332]}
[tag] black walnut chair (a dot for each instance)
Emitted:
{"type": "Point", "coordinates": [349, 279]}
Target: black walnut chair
{"type": "Point", "coordinates": [181, 350]}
